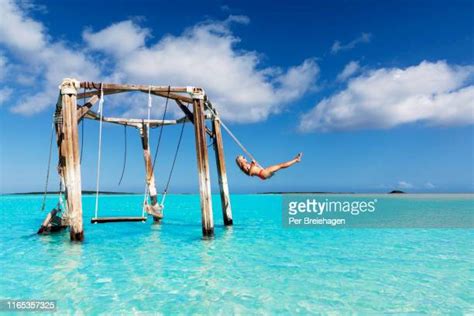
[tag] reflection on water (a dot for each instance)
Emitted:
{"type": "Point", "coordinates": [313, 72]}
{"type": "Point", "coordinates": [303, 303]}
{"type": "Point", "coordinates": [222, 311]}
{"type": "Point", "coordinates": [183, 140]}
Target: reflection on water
{"type": "Point", "coordinates": [256, 266]}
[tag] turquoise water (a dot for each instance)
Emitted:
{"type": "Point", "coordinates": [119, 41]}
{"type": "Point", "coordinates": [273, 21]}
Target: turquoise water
{"type": "Point", "coordinates": [256, 267]}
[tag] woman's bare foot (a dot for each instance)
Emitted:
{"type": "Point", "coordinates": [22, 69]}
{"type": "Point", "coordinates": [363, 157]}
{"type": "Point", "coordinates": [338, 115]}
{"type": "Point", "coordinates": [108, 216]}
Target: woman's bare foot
{"type": "Point", "coordinates": [298, 157]}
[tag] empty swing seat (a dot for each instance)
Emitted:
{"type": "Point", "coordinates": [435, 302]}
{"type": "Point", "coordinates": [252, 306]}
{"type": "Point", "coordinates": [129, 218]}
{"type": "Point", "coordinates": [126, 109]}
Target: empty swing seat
{"type": "Point", "coordinates": [117, 219]}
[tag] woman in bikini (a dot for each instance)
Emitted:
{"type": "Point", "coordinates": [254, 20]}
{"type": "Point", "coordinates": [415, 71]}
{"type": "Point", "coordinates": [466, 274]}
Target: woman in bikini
{"type": "Point", "coordinates": [253, 169]}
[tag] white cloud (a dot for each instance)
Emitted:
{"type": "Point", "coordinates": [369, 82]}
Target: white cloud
{"type": "Point", "coordinates": [118, 39]}
{"type": "Point", "coordinates": [3, 66]}
{"type": "Point", "coordinates": [429, 185]}
{"type": "Point", "coordinates": [206, 55]}
{"type": "Point", "coordinates": [31, 5]}
{"type": "Point", "coordinates": [225, 8]}
{"type": "Point", "coordinates": [337, 46]}
{"type": "Point", "coordinates": [432, 93]}
{"type": "Point", "coordinates": [242, 19]}
{"type": "Point", "coordinates": [349, 70]}
{"type": "Point", "coordinates": [19, 31]}
{"type": "Point", "coordinates": [5, 94]}
{"type": "Point", "coordinates": [404, 185]}
{"type": "Point", "coordinates": [43, 63]}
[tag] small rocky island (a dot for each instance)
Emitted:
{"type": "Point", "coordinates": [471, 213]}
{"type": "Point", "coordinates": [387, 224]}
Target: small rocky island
{"type": "Point", "coordinates": [396, 192]}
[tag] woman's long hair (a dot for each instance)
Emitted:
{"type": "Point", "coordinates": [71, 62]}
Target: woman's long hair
{"type": "Point", "coordinates": [241, 165]}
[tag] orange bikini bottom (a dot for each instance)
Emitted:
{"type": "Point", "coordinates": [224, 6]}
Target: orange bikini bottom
{"type": "Point", "coordinates": [261, 176]}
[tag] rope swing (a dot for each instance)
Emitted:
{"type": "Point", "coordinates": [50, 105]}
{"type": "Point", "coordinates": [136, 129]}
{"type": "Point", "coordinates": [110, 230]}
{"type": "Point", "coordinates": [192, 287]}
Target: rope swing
{"type": "Point", "coordinates": [97, 219]}
{"type": "Point", "coordinates": [165, 191]}
{"type": "Point", "coordinates": [124, 154]}
{"type": "Point", "coordinates": [49, 167]}
{"type": "Point", "coordinates": [170, 175]}
{"type": "Point", "coordinates": [82, 126]}
{"type": "Point", "coordinates": [146, 125]}
{"type": "Point", "coordinates": [161, 129]}
{"type": "Point", "coordinates": [238, 142]}
{"type": "Point", "coordinates": [234, 138]}
{"type": "Point", "coordinates": [101, 107]}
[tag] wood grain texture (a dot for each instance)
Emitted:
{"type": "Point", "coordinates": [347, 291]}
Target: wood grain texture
{"type": "Point", "coordinates": [221, 173]}
{"type": "Point", "coordinates": [149, 175]}
{"type": "Point", "coordinates": [70, 165]}
{"type": "Point", "coordinates": [203, 169]}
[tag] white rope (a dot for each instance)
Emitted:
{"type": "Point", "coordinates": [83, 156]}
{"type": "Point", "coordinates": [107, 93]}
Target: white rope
{"type": "Point", "coordinates": [149, 110]}
{"type": "Point", "coordinates": [43, 205]}
{"type": "Point", "coordinates": [101, 105]}
{"type": "Point", "coordinates": [61, 203]}
{"type": "Point", "coordinates": [163, 198]}
{"type": "Point", "coordinates": [60, 195]}
{"type": "Point", "coordinates": [233, 136]}
{"type": "Point", "coordinates": [145, 197]}
{"type": "Point", "coordinates": [239, 143]}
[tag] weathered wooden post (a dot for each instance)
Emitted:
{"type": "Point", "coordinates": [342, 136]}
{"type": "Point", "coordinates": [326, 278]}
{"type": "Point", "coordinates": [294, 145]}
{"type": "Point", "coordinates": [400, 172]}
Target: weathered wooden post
{"type": "Point", "coordinates": [154, 209]}
{"type": "Point", "coordinates": [69, 160]}
{"type": "Point", "coordinates": [203, 165]}
{"type": "Point", "coordinates": [221, 172]}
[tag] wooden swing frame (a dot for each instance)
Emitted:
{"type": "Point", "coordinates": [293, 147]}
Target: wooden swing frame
{"type": "Point", "coordinates": [68, 113]}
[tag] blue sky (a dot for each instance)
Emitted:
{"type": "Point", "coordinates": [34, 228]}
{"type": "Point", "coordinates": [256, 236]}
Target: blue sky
{"type": "Point", "coordinates": [377, 94]}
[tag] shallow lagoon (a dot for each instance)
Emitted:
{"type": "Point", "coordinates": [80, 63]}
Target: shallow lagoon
{"type": "Point", "coordinates": [256, 266]}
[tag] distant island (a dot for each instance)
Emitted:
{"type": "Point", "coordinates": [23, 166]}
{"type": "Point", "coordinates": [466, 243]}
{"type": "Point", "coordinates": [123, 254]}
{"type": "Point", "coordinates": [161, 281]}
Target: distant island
{"type": "Point", "coordinates": [322, 192]}
{"type": "Point", "coordinates": [315, 192]}
{"type": "Point", "coordinates": [83, 192]}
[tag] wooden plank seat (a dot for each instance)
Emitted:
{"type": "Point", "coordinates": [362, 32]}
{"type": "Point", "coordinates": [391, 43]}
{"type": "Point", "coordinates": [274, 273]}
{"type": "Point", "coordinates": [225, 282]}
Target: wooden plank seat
{"type": "Point", "coordinates": [117, 219]}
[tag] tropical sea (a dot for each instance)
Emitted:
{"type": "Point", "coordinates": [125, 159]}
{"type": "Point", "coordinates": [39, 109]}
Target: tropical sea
{"type": "Point", "coordinates": [257, 266]}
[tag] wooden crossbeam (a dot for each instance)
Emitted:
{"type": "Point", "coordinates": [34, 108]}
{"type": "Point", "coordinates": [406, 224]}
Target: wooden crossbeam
{"type": "Point", "coordinates": [134, 87]}
{"type": "Point", "coordinates": [171, 95]}
{"type": "Point", "coordinates": [82, 110]}
{"type": "Point", "coordinates": [88, 94]}
{"type": "Point", "coordinates": [190, 116]}
{"type": "Point", "coordinates": [162, 91]}
{"type": "Point", "coordinates": [186, 111]}
{"type": "Point", "coordinates": [133, 122]}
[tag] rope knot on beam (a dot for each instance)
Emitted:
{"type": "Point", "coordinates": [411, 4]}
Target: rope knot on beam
{"type": "Point", "coordinates": [69, 86]}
